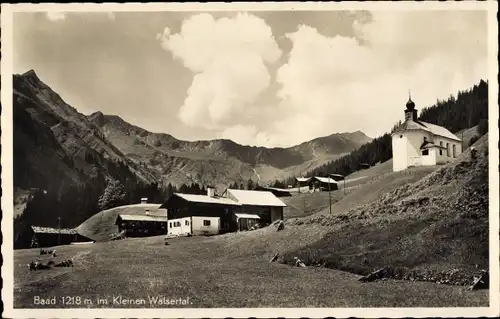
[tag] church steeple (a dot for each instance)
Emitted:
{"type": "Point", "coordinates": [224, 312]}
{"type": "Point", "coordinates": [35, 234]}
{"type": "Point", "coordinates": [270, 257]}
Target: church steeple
{"type": "Point", "coordinates": [410, 112]}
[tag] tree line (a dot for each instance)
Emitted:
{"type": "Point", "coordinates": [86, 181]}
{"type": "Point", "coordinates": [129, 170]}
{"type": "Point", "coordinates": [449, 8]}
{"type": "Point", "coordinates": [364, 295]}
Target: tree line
{"type": "Point", "coordinates": [469, 108]}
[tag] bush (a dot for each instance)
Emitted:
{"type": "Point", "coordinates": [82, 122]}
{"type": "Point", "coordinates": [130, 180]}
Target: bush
{"type": "Point", "coordinates": [482, 127]}
{"type": "Point", "coordinates": [473, 140]}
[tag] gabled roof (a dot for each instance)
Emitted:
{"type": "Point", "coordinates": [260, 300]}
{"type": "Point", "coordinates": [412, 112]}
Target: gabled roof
{"type": "Point", "coordinates": [256, 198]}
{"type": "Point", "coordinates": [410, 125]}
{"type": "Point", "coordinates": [146, 218]}
{"type": "Point", "coordinates": [207, 199]}
{"type": "Point", "coordinates": [427, 145]}
{"type": "Point", "coordinates": [326, 180]}
{"type": "Point", "coordinates": [50, 230]}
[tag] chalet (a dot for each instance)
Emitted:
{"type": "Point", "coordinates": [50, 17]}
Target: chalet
{"type": "Point", "coordinates": [278, 192]}
{"type": "Point", "coordinates": [303, 181]}
{"type": "Point", "coordinates": [48, 236]}
{"type": "Point", "coordinates": [263, 206]}
{"type": "Point", "coordinates": [212, 214]}
{"type": "Point", "coordinates": [199, 214]}
{"type": "Point", "coordinates": [136, 225]}
{"type": "Point", "coordinates": [323, 184]}
{"type": "Point", "coordinates": [418, 143]}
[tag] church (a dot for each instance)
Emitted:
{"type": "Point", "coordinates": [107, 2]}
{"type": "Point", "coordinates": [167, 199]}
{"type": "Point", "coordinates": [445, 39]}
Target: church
{"type": "Point", "coordinates": [417, 143]}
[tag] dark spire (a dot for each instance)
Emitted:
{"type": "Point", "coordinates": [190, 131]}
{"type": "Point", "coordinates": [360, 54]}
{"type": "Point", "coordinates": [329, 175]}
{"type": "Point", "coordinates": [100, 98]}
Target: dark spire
{"type": "Point", "coordinates": [410, 105]}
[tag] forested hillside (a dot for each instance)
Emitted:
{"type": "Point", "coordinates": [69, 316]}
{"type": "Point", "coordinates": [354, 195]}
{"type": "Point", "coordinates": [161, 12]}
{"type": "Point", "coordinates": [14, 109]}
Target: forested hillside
{"type": "Point", "coordinates": [469, 108]}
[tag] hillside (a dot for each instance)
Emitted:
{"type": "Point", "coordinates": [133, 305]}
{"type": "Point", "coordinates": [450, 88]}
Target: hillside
{"type": "Point", "coordinates": [174, 159]}
{"type": "Point", "coordinates": [61, 160]}
{"type": "Point", "coordinates": [100, 226]}
{"type": "Point", "coordinates": [429, 227]}
{"type": "Point", "coordinates": [64, 159]}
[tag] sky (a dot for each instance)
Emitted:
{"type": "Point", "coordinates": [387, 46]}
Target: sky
{"type": "Point", "coordinates": [267, 78]}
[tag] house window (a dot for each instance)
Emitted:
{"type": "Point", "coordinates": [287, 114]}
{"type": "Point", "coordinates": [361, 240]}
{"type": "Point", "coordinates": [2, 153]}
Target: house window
{"type": "Point", "coordinates": [187, 223]}
{"type": "Point", "coordinates": [425, 152]}
{"type": "Point", "coordinates": [170, 224]}
{"type": "Point", "coordinates": [441, 150]}
{"type": "Point", "coordinates": [454, 151]}
{"type": "Point", "coordinates": [448, 149]}
{"type": "Point", "coordinates": [400, 136]}
{"type": "Point", "coordinates": [206, 223]}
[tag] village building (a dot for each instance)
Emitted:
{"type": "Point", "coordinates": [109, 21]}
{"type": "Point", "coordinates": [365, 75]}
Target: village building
{"type": "Point", "coordinates": [278, 192]}
{"type": "Point", "coordinates": [326, 184]}
{"type": "Point", "coordinates": [262, 207]}
{"type": "Point", "coordinates": [418, 143]}
{"type": "Point", "coordinates": [212, 214]}
{"type": "Point", "coordinates": [48, 236]}
{"type": "Point", "coordinates": [135, 225]}
{"type": "Point", "coordinates": [303, 181]}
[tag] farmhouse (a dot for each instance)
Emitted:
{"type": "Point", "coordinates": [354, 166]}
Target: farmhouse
{"type": "Point", "coordinates": [303, 181]}
{"type": "Point", "coordinates": [48, 236]}
{"type": "Point", "coordinates": [255, 206]}
{"type": "Point", "coordinates": [417, 143]}
{"type": "Point", "coordinates": [323, 184]}
{"type": "Point", "coordinates": [278, 192]}
{"type": "Point", "coordinates": [136, 225]}
{"type": "Point", "coordinates": [211, 214]}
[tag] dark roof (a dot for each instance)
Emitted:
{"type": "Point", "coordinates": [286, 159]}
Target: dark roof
{"type": "Point", "coordinates": [410, 125]}
{"type": "Point", "coordinates": [145, 218]}
{"type": "Point", "coordinates": [50, 230]}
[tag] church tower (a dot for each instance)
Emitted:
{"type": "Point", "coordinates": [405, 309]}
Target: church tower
{"type": "Point", "coordinates": [410, 112]}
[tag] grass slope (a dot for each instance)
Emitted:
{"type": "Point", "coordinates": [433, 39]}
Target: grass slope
{"type": "Point", "coordinates": [101, 225]}
{"type": "Point", "coordinates": [433, 225]}
{"type": "Point", "coordinates": [231, 270]}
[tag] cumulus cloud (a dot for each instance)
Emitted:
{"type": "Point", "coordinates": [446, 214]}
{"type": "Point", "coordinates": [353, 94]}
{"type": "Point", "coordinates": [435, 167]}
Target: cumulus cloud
{"type": "Point", "coordinates": [337, 84]}
{"type": "Point", "coordinates": [229, 58]}
{"type": "Point", "coordinates": [56, 16]}
{"type": "Point", "coordinates": [327, 84]}
{"type": "Point", "coordinates": [60, 16]}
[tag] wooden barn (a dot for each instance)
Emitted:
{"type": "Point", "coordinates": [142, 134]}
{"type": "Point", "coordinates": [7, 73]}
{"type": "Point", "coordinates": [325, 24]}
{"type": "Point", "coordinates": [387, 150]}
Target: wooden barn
{"type": "Point", "coordinates": [303, 181]}
{"type": "Point", "coordinates": [141, 225]}
{"type": "Point", "coordinates": [48, 236]}
{"type": "Point", "coordinates": [263, 206]}
{"type": "Point", "coordinates": [278, 192]}
{"type": "Point", "coordinates": [199, 214]}
{"type": "Point", "coordinates": [324, 184]}
{"type": "Point", "coordinates": [210, 214]}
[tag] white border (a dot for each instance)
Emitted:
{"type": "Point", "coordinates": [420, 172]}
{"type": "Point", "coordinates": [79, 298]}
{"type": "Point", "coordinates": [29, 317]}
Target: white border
{"type": "Point", "coordinates": [7, 175]}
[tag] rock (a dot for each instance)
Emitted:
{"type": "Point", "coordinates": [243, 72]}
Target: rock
{"type": "Point", "coordinates": [481, 282]}
{"type": "Point", "coordinates": [377, 274]}
{"type": "Point", "coordinates": [299, 263]}
{"type": "Point", "coordinates": [278, 225]}
{"type": "Point", "coordinates": [275, 257]}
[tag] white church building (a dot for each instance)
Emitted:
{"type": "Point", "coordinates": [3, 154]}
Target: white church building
{"type": "Point", "coordinates": [417, 143]}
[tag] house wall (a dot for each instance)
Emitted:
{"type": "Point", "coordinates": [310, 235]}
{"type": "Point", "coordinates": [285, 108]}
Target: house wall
{"type": "Point", "coordinates": [447, 156]}
{"type": "Point", "coordinates": [399, 152]}
{"type": "Point", "coordinates": [276, 213]}
{"type": "Point", "coordinates": [431, 158]}
{"type": "Point", "coordinates": [183, 229]}
{"type": "Point", "coordinates": [406, 150]}
{"type": "Point", "coordinates": [200, 229]}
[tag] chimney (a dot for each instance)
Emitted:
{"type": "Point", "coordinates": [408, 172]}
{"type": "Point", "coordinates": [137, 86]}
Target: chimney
{"type": "Point", "coordinates": [210, 191]}
{"type": "Point", "coordinates": [144, 200]}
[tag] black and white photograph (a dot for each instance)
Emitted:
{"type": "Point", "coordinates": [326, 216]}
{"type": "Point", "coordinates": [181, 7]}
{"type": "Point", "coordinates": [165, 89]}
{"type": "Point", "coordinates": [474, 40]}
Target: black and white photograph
{"type": "Point", "coordinates": [250, 159]}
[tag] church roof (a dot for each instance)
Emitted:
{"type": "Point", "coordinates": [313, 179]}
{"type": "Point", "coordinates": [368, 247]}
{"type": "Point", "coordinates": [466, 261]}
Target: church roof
{"type": "Point", "coordinates": [410, 125]}
{"type": "Point", "coordinates": [427, 145]}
